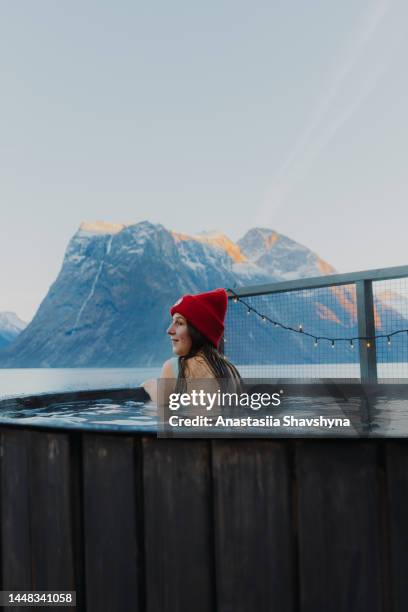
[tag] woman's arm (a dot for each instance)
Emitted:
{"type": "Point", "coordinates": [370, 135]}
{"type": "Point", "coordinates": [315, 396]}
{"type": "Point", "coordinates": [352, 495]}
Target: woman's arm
{"type": "Point", "coordinates": [151, 385]}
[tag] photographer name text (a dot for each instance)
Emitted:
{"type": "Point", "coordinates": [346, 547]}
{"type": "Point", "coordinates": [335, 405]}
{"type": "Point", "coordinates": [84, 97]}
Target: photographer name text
{"type": "Point", "coordinates": [288, 420]}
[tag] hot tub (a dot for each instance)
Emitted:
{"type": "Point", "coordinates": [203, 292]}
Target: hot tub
{"type": "Point", "coordinates": [132, 522]}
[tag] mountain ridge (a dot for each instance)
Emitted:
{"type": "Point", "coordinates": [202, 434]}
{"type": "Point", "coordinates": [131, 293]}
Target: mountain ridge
{"type": "Point", "coordinates": [10, 327]}
{"type": "Point", "coordinates": [109, 305]}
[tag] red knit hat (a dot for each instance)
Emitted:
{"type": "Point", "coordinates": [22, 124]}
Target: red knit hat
{"type": "Point", "coordinates": [205, 311]}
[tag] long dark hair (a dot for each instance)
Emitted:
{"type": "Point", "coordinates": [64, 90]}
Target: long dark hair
{"type": "Point", "coordinates": [219, 365]}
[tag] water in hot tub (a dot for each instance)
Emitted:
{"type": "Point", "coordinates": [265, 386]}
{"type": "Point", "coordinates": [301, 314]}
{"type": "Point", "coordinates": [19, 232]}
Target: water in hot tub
{"type": "Point", "coordinates": [102, 413]}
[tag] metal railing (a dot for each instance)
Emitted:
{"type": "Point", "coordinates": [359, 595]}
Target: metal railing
{"type": "Point", "coordinates": [369, 309]}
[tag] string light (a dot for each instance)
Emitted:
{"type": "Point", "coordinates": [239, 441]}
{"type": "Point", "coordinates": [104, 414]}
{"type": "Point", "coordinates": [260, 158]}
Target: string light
{"type": "Point", "coordinates": [368, 339]}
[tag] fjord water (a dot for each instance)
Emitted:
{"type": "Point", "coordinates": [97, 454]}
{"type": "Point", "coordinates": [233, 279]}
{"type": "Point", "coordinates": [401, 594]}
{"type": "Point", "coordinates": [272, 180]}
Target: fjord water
{"type": "Point", "coordinates": [32, 381]}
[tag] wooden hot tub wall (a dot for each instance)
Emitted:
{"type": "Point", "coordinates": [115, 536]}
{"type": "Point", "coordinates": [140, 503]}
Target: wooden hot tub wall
{"type": "Point", "coordinates": [135, 523]}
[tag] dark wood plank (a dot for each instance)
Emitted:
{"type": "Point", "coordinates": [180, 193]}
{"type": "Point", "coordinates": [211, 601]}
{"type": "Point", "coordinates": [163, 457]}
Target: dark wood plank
{"type": "Point", "coordinates": [112, 523]}
{"type": "Point", "coordinates": [178, 535]}
{"type": "Point", "coordinates": [397, 479]}
{"type": "Point", "coordinates": [15, 513]}
{"type": "Point", "coordinates": [339, 526]}
{"type": "Point", "coordinates": [77, 517]}
{"type": "Point", "coordinates": [50, 512]}
{"type": "Point", "coordinates": [252, 525]}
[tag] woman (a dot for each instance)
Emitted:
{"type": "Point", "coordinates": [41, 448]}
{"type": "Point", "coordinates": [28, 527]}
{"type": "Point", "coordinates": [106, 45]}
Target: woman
{"type": "Point", "coordinates": [195, 331]}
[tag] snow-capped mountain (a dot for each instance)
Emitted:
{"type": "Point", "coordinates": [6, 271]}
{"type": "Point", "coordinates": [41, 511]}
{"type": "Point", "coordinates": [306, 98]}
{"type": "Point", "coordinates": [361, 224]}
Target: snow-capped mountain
{"type": "Point", "coordinates": [10, 327]}
{"type": "Point", "coordinates": [280, 256]}
{"type": "Point", "coordinates": [395, 301]}
{"type": "Point", "coordinates": [109, 305]}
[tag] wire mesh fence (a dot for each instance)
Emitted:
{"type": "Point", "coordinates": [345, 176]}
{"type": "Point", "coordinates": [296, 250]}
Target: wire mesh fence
{"type": "Point", "coordinates": [312, 332]}
{"type": "Point", "coordinates": [391, 300]}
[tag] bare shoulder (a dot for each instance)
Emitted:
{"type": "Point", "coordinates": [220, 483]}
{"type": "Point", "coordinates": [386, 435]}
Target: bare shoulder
{"type": "Point", "coordinates": [197, 367]}
{"type": "Point", "coordinates": [167, 370]}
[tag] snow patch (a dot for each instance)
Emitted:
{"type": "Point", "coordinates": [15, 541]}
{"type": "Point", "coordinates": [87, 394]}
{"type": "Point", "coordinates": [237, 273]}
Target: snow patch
{"type": "Point", "coordinates": [95, 281]}
{"type": "Point", "coordinates": [214, 239]}
{"type": "Point", "coordinates": [75, 258]}
{"type": "Point", "coordinates": [9, 321]}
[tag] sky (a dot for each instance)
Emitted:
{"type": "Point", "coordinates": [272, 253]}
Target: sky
{"type": "Point", "coordinates": [221, 115]}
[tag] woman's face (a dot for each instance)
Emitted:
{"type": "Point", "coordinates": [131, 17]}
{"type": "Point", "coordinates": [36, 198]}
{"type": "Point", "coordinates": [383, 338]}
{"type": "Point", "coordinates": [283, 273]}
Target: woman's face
{"type": "Point", "coordinates": [180, 337]}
